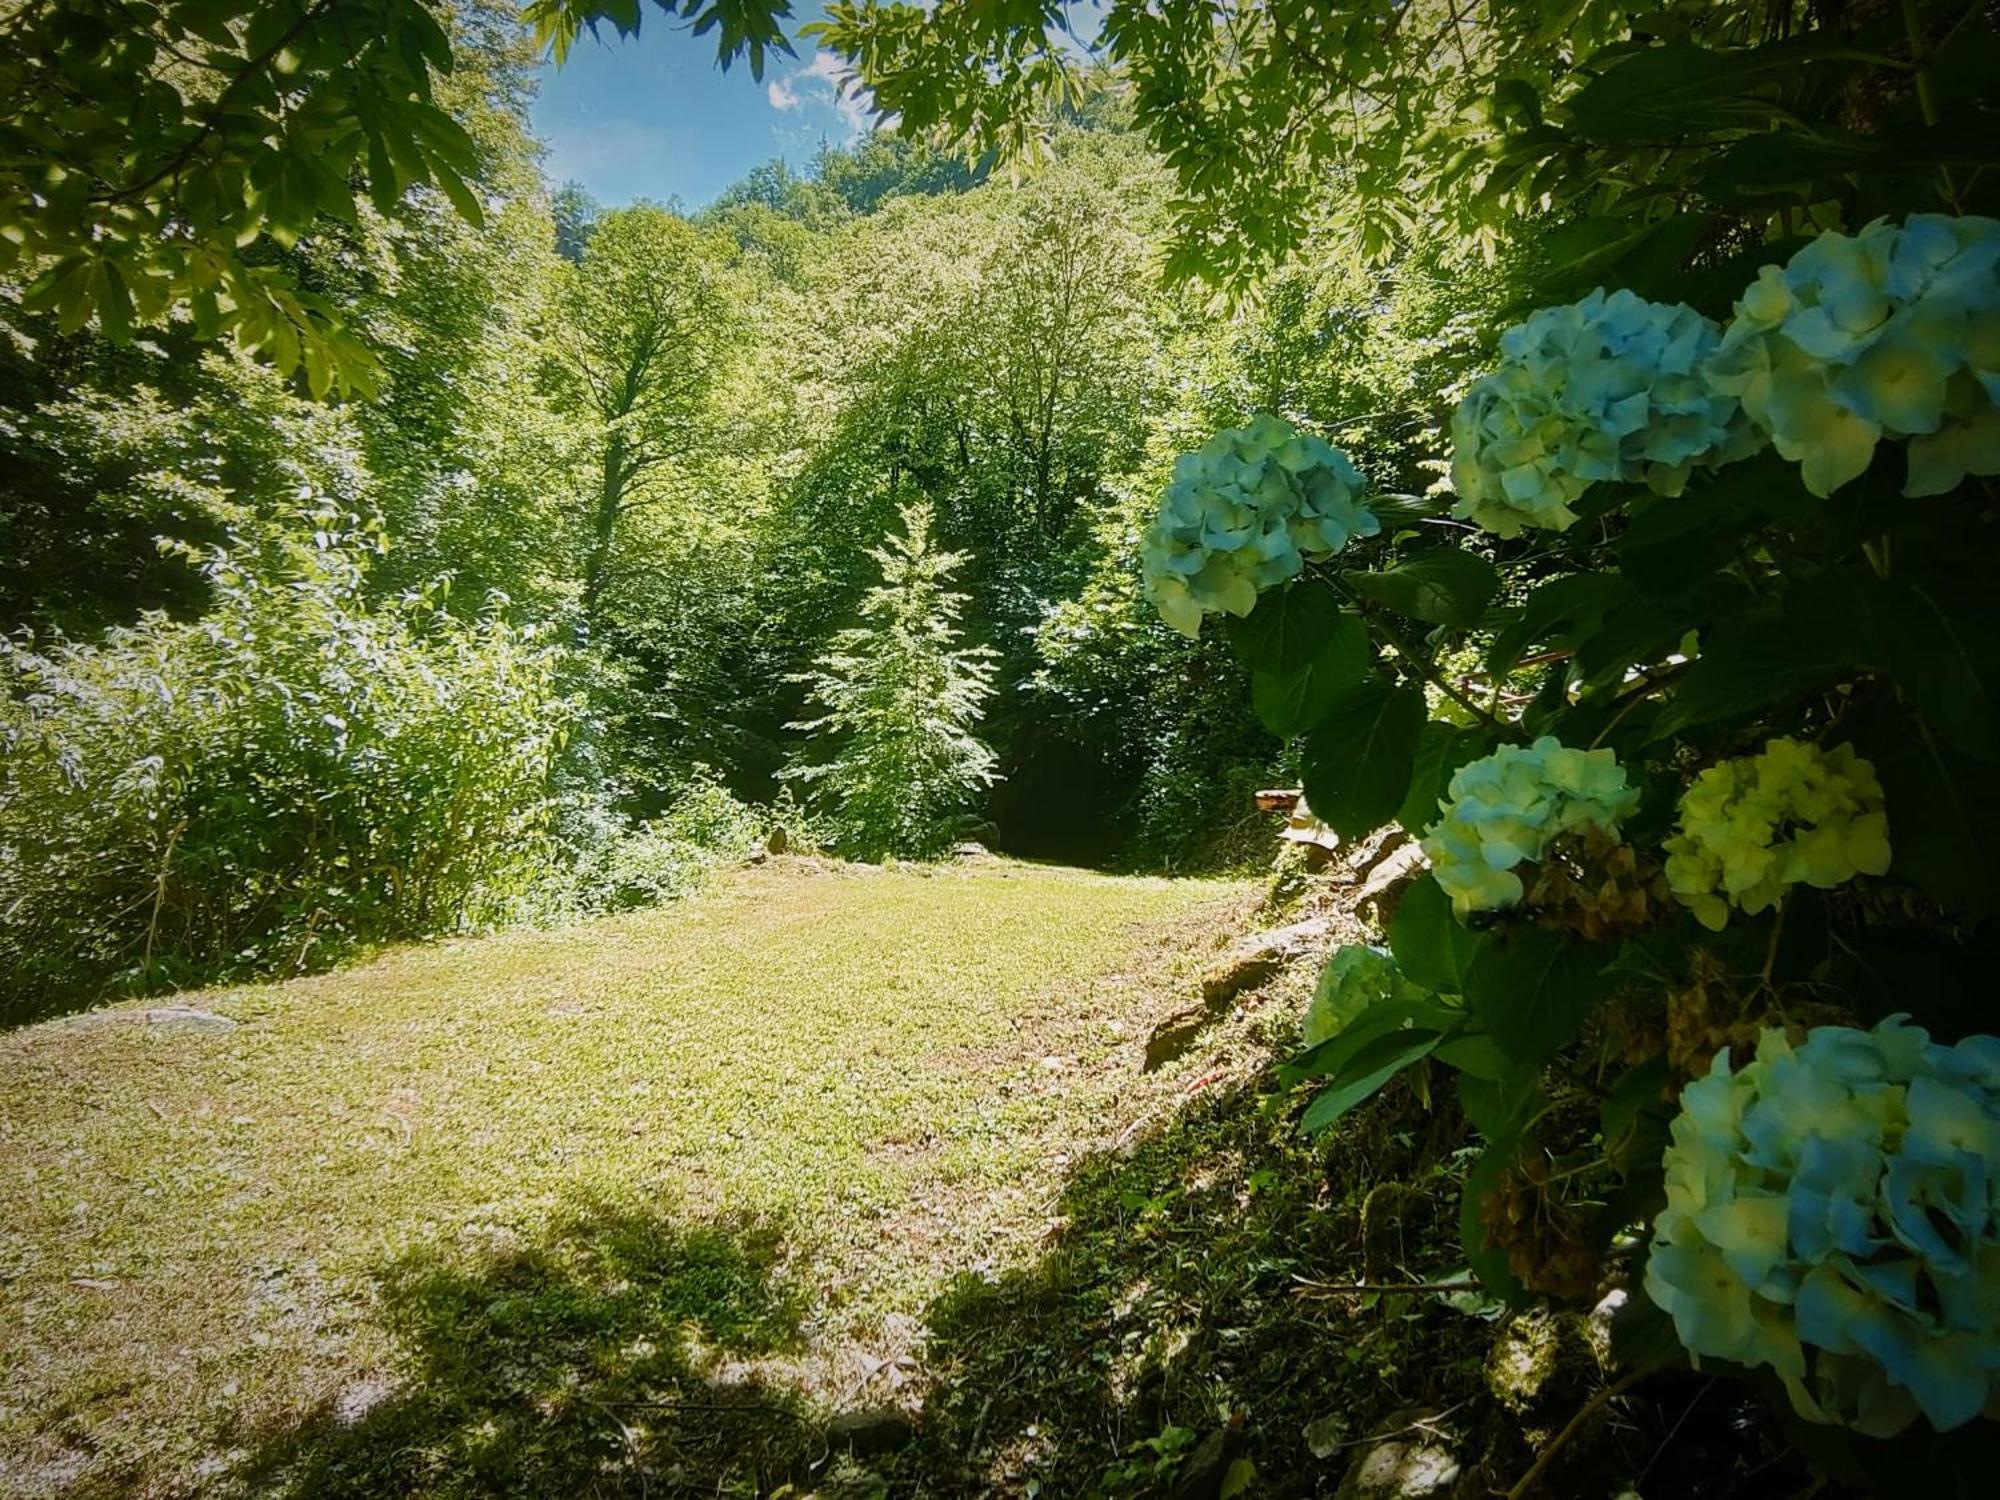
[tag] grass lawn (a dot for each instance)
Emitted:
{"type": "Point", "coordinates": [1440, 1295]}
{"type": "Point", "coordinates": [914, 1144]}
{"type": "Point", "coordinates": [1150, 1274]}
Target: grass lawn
{"type": "Point", "coordinates": [627, 1208]}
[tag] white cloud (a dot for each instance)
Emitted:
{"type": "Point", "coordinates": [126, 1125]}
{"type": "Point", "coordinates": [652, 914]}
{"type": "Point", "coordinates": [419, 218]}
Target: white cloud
{"type": "Point", "coordinates": [824, 83]}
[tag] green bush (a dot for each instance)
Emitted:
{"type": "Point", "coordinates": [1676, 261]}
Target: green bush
{"type": "Point", "coordinates": [263, 789]}
{"type": "Point", "coordinates": [670, 856]}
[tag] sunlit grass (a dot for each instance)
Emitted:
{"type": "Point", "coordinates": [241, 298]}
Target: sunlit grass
{"type": "Point", "coordinates": [835, 1086]}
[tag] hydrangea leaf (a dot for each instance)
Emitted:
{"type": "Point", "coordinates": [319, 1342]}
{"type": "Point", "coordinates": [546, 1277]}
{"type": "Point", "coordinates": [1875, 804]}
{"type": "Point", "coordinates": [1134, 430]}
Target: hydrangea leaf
{"type": "Point", "coordinates": [1356, 977]}
{"type": "Point", "coordinates": [1358, 760]}
{"type": "Point", "coordinates": [1445, 587]}
{"type": "Point", "coordinates": [1488, 1261]}
{"type": "Point", "coordinates": [1431, 946]}
{"type": "Point", "coordinates": [1288, 629]}
{"type": "Point", "coordinates": [1371, 1068]}
{"type": "Point", "coordinates": [1947, 814]}
{"type": "Point", "coordinates": [1941, 645]}
{"type": "Point", "coordinates": [1441, 749]}
{"type": "Point", "coordinates": [1555, 611]}
{"type": "Point", "coordinates": [1531, 990]}
{"type": "Point", "coordinates": [1293, 702]}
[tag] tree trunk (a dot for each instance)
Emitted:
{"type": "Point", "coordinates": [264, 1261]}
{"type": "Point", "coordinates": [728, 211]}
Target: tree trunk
{"type": "Point", "coordinates": [604, 528]}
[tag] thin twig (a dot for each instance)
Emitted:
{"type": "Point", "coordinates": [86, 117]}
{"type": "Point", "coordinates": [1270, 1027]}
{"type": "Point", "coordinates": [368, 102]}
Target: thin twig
{"type": "Point", "coordinates": [1353, 1288]}
{"type": "Point", "coordinates": [1422, 1424]}
{"type": "Point", "coordinates": [631, 1443]}
{"type": "Point", "coordinates": [1584, 1413]}
{"type": "Point", "coordinates": [1419, 661]}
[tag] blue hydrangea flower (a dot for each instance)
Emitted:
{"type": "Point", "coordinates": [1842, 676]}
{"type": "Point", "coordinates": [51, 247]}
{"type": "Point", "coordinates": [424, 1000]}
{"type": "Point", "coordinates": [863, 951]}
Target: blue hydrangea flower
{"type": "Point", "coordinates": [1244, 514]}
{"type": "Point", "coordinates": [1502, 810]}
{"type": "Point", "coordinates": [1892, 332]}
{"type": "Point", "coordinates": [1609, 388]}
{"type": "Point", "coordinates": [1833, 1212]}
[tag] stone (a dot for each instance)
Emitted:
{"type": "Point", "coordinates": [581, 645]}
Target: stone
{"type": "Point", "coordinates": [1175, 1036]}
{"type": "Point", "coordinates": [1384, 887]}
{"type": "Point", "coordinates": [1413, 1460]}
{"type": "Point", "coordinates": [1543, 1362]}
{"type": "Point", "coordinates": [1254, 961]}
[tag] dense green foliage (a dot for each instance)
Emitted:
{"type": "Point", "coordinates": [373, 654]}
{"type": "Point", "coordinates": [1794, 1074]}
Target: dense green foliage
{"type": "Point", "coordinates": [295, 773]}
{"type": "Point", "coordinates": [1662, 622]}
{"type": "Point", "coordinates": [148, 149]}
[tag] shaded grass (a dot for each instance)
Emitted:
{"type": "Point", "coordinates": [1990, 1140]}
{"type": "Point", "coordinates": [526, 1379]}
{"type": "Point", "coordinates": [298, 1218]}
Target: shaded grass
{"type": "Point", "coordinates": [346, 1242]}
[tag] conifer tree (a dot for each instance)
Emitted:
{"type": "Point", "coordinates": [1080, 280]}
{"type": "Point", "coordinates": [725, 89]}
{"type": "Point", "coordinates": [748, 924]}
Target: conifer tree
{"type": "Point", "coordinates": [902, 696]}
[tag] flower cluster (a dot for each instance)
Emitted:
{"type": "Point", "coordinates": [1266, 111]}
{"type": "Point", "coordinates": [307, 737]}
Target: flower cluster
{"type": "Point", "coordinates": [1831, 1213]}
{"type": "Point", "coordinates": [1791, 815]}
{"type": "Point", "coordinates": [1242, 515]}
{"type": "Point", "coordinates": [1890, 332]}
{"type": "Point", "coordinates": [1505, 808]}
{"type": "Point", "coordinates": [1609, 388]}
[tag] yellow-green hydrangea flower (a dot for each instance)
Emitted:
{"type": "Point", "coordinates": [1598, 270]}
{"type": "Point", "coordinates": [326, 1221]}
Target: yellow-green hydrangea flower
{"type": "Point", "coordinates": [1792, 815]}
{"type": "Point", "coordinates": [1609, 388]}
{"type": "Point", "coordinates": [1892, 332]}
{"type": "Point", "coordinates": [1243, 514]}
{"type": "Point", "coordinates": [1831, 1213]}
{"type": "Point", "coordinates": [1501, 811]}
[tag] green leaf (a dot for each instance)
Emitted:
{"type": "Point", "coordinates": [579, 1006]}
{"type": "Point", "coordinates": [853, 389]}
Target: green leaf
{"type": "Point", "coordinates": [1358, 760]}
{"type": "Point", "coordinates": [1941, 641]}
{"type": "Point", "coordinates": [1634, 1092]}
{"type": "Point", "coordinates": [1357, 978]}
{"type": "Point", "coordinates": [1501, 1107]}
{"type": "Point", "coordinates": [1475, 1056]}
{"type": "Point", "coordinates": [1333, 1058]}
{"type": "Point", "coordinates": [1371, 1068]}
{"type": "Point", "coordinates": [1642, 1335]}
{"type": "Point", "coordinates": [1558, 609]}
{"type": "Point", "coordinates": [1432, 947]}
{"type": "Point", "coordinates": [1531, 990]}
{"type": "Point", "coordinates": [1944, 813]}
{"type": "Point", "coordinates": [1445, 587]}
{"type": "Point", "coordinates": [1290, 703]}
{"type": "Point", "coordinates": [462, 197]}
{"type": "Point", "coordinates": [1288, 628]}
{"type": "Point", "coordinates": [1441, 749]}
{"type": "Point", "coordinates": [1678, 89]}
{"type": "Point", "coordinates": [1770, 658]}
{"type": "Point", "coordinates": [1488, 1263]}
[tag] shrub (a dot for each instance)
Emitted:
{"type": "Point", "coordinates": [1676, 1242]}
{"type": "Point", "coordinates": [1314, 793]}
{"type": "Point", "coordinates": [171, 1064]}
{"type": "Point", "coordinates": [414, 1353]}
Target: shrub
{"type": "Point", "coordinates": [672, 855]}
{"type": "Point", "coordinates": [266, 787]}
{"type": "Point", "coordinates": [1775, 815]}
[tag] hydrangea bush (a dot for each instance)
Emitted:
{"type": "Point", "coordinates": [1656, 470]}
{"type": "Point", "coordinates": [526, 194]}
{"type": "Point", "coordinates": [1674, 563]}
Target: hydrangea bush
{"type": "Point", "coordinates": [1831, 1214]}
{"type": "Point", "coordinates": [1892, 332]}
{"type": "Point", "coordinates": [1243, 514]}
{"type": "Point", "coordinates": [1503, 810]}
{"type": "Point", "coordinates": [1610, 388]}
{"type": "Point", "coordinates": [1788, 815]}
{"type": "Point", "coordinates": [1769, 686]}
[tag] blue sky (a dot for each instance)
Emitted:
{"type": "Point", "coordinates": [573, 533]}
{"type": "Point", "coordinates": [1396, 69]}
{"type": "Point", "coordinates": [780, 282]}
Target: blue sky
{"type": "Point", "coordinates": [651, 116]}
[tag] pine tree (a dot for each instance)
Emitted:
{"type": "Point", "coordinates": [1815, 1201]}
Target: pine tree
{"type": "Point", "coordinates": [902, 697]}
